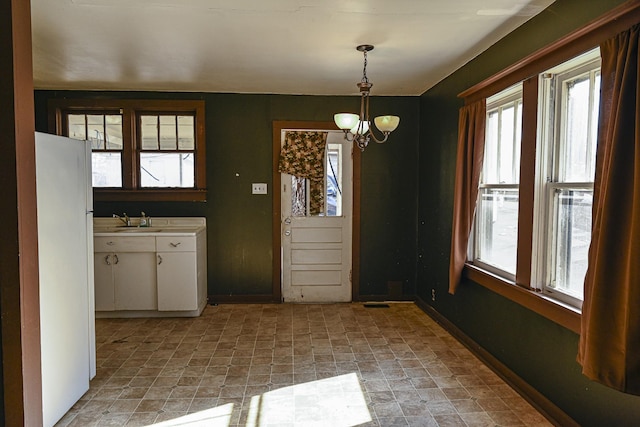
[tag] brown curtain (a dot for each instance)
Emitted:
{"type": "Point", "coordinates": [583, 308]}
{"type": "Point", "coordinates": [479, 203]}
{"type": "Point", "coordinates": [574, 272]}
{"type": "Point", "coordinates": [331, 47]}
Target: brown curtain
{"type": "Point", "coordinates": [302, 155]}
{"type": "Point", "coordinates": [468, 166]}
{"type": "Point", "coordinates": [610, 338]}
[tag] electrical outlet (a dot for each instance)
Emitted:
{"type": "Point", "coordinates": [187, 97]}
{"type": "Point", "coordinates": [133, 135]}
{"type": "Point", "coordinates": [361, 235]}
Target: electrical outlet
{"type": "Point", "coordinates": [433, 294]}
{"type": "Point", "coordinates": [258, 188]}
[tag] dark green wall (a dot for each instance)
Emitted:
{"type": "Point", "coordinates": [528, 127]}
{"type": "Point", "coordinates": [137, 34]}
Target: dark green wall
{"type": "Point", "coordinates": [538, 350]}
{"type": "Point", "coordinates": [406, 211]}
{"type": "Point", "coordinates": [239, 151]}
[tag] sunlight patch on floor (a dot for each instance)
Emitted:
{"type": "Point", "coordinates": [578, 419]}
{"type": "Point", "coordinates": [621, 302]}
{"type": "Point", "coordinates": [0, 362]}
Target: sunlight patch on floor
{"type": "Point", "coordinates": [219, 416]}
{"type": "Point", "coordinates": [336, 402]}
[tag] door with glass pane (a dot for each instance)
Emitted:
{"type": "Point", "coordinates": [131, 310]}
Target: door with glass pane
{"type": "Point", "coordinates": [316, 248]}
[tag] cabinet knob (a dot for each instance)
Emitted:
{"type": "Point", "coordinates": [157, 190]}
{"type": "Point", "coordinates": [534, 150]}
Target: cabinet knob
{"type": "Point", "coordinates": [115, 256]}
{"type": "Point", "coordinates": [106, 259]}
{"type": "Point", "coordinates": [159, 259]}
{"type": "Point", "coordinates": [174, 245]}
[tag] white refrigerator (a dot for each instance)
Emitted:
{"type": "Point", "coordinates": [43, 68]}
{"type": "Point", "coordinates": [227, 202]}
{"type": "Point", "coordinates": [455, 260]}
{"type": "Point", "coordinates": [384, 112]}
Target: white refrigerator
{"type": "Point", "coordinates": [65, 252]}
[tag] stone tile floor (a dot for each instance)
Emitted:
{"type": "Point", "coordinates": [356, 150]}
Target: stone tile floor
{"type": "Point", "coordinates": [285, 365]}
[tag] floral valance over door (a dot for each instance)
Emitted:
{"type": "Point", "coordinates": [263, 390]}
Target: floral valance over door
{"type": "Point", "coordinates": [303, 156]}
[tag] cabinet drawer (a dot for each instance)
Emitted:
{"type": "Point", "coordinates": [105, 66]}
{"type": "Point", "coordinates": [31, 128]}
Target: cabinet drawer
{"type": "Point", "coordinates": [175, 243]}
{"type": "Point", "coordinates": [124, 244]}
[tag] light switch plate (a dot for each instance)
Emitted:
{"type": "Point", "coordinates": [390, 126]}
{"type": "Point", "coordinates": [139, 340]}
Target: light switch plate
{"type": "Point", "coordinates": [259, 188]}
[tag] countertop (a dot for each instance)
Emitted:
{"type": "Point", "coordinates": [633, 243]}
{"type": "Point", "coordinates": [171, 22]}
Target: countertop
{"type": "Point", "coordinates": [159, 227]}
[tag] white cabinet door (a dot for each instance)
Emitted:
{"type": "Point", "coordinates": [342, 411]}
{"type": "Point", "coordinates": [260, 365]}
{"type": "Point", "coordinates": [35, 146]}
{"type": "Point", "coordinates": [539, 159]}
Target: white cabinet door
{"type": "Point", "coordinates": [177, 278]}
{"type": "Point", "coordinates": [134, 276]}
{"type": "Point", "coordinates": [103, 281]}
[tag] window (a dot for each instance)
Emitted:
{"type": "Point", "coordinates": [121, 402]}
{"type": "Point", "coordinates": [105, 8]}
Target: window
{"type": "Point", "coordinates": [141, 150]}
{"type": "Point", "coordinates": [563, 173]}
{"type": "Point", "coordinates": [332, 186]}
{"type": "Point", "coordinates": [560, 109]}
{"type": "Point", "coordinates": [105, 133]}
{"type": "Point", "coordinates": [167, 150]}
{"type": "Point", "coordinates": [569, 100]}
{"type": "Point", "coordinates": [496, 237]}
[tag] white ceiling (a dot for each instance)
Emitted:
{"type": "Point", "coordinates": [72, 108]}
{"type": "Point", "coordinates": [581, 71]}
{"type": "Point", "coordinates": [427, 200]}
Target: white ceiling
{"type": "Point", "coordinates": [263, 46]}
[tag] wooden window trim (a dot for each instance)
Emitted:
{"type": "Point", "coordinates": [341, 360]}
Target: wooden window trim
{"type": "Point", "coordinates": [526, 71]}
{"type": "Point", "coordinates": [130, 109]}
{"type": "Point", "coordinates": [552, 309]}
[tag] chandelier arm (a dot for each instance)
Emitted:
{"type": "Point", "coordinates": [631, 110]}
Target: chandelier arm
{"type": "Point", "coordinates": [373, 135]}
{"type": "Point", "coordinates": [346, 135]}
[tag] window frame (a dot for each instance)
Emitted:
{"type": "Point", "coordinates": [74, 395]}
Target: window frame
{"type": "Point", "coordinates": [552, 138]}
{"type": "Point", "coordinates": [573, 44]}
{"type": "Point", "coordinates": [509, 97]}
{"type": "Point", "coordinates": [141, 150]}
{"type": "Point", "coordinates": [130, 109]}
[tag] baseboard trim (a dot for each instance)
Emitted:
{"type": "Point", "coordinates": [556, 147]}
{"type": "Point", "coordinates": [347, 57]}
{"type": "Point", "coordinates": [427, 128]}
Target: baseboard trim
{"type": "Point", "coordinates": [241, 299]}
{"type": "Point", "coordinates": [553, 413]}
{"type": "Point", "coordinates": [403, 298]}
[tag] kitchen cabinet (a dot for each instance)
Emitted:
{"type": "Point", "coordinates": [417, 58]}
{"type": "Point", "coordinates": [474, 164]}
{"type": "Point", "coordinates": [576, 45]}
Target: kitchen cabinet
{"type": "Point", "coordinates": [177, 273]}
{"type": "Point", "coordinates": [103, 282]}
{"type": "Point", "coordinates": [151, 272]}
{"type": "Point", "coordinates": [134, 278]}
{"type": "Point", "coordinates": [181, 271]}
{"type": "Point", "coordinates": [125, 273]}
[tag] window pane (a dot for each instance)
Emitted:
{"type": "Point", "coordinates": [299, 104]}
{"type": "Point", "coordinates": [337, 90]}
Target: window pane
{"type": "Point", "coordinates": [595, 110]}
{"type": "Point", "coordinates": [106, 169]}
{"type": "Point", "coordinates": [149, 132]}
{"type": "Point", "coordinates": [497, 228]}
{"type": "Point", "coordinates": [168, 135]}
{"type": "Point", "coordinates": [167, 170]}
{"type": "Point", "coordinates": [95, 131]}
{"type": "Point", "coordinates": [333, 189]}
{"type": "Point", "coordinates": [502, 144]}
{"type": "Point", "coordinates": [77, 128]}
{"type": "Point", "coordinates": [572, 225]}
{"type": "Point", "coordinates": [490, 165]}
{"type": "Point", "coordinates": [114, 132]}
{"type": "Point", "coordinates": [576, 154]}
{"type": "Point", "coordinates": [186, 133]}
{"type": "Point", "coordinates": [517, 143]}
{"type": "Point", "coordinates": [298, 196]}
{"type": "Point", "coordinates": [507, 128]}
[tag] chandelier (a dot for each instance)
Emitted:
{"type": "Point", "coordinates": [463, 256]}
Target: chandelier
{"type": "Point", "coordinates": [356, 127]}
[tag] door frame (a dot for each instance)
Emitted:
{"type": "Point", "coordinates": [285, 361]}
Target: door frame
{"type": "Point", "coordinates": [278, 127]}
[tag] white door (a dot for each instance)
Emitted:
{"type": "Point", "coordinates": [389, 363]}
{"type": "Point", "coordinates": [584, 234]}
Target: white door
{"type": "Point", "coordinates": [316, 249]}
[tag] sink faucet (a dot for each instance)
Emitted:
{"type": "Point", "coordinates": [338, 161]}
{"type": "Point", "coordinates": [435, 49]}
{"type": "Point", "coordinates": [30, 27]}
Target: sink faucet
{"type": "Point", "coordinates": [126, 219]}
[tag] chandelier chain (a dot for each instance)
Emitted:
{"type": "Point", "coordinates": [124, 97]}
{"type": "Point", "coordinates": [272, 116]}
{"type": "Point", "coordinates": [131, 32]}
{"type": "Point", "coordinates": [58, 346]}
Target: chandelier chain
{"type": "Point", "coordinates": [365, 79]}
